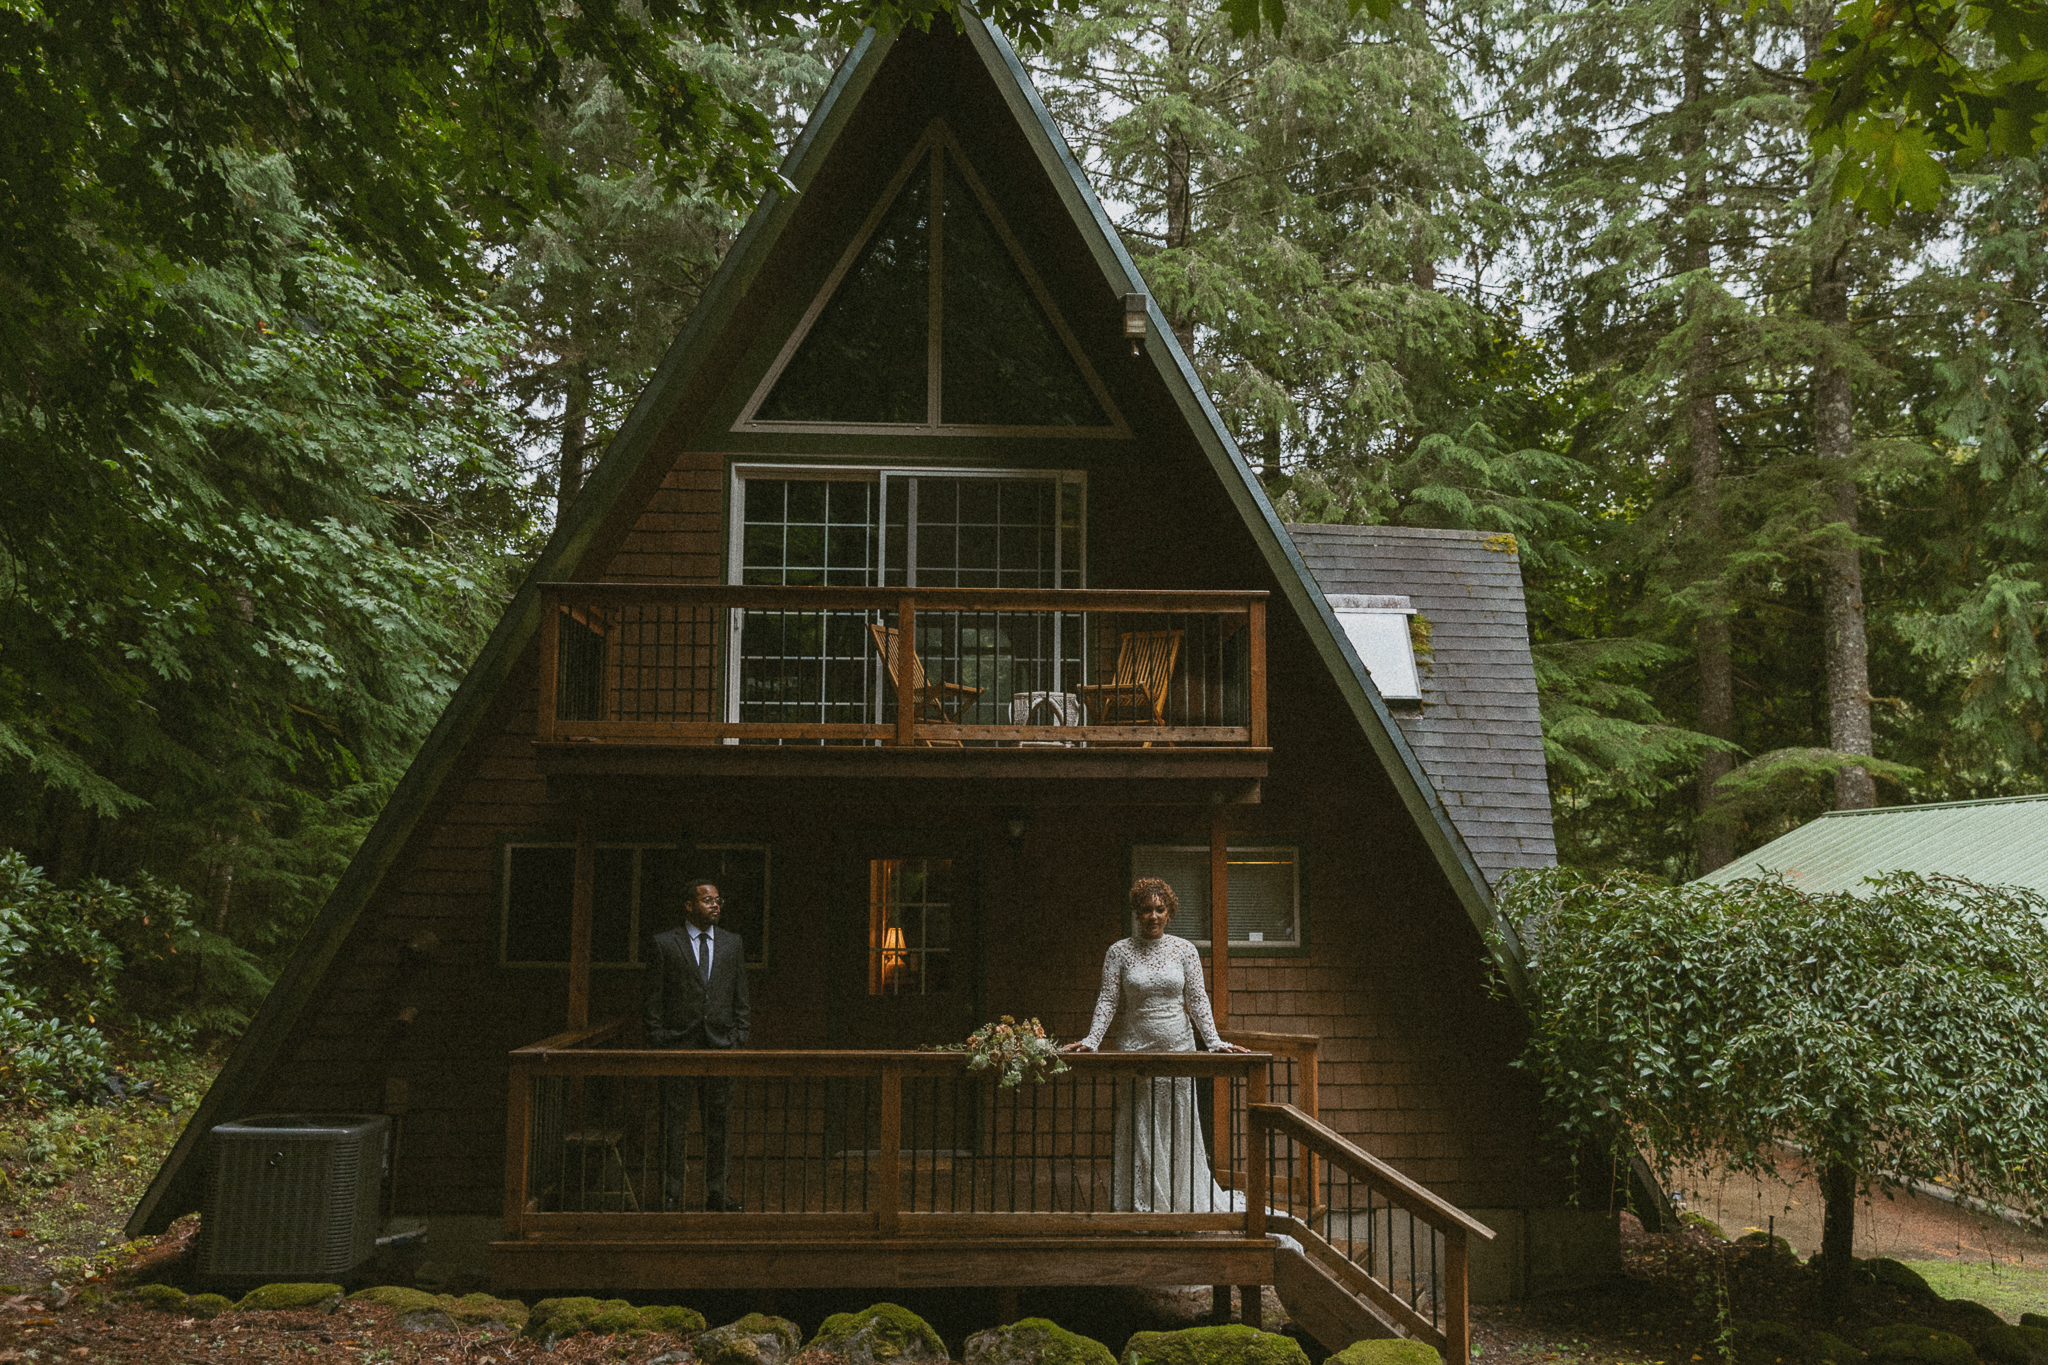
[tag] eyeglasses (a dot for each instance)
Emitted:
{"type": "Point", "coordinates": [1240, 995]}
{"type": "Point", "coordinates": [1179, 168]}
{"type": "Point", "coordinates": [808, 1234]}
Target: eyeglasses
{"type": "Point", "coordinates": [708, 900]}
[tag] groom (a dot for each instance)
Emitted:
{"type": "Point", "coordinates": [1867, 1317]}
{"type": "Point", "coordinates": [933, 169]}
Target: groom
{"type": "Point", "coordinates": [695, 996]}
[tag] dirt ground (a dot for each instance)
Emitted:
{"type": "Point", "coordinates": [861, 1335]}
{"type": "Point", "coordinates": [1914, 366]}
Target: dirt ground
{"type": "Point", "coordinates": [1683, 1298]}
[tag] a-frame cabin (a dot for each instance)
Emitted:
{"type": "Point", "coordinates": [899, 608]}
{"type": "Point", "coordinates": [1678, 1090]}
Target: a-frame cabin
{"type": "Point", "coordinates": [921, 605]}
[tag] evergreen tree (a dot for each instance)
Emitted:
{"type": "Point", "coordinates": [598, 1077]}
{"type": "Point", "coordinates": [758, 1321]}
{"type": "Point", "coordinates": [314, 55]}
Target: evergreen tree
{"type": "Point", "coordinates": [602, 286]}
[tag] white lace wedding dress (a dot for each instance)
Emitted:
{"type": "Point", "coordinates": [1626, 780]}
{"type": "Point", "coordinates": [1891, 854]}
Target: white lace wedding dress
{"type": "Point", "coordinates": [1152, 990]}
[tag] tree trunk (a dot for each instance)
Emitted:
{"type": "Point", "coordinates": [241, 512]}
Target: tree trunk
{"type": "Point", "coordinates": [1834, 440]}
{"type": "Point", "coordinates": [1180, 196]}
{"type": "Point", "coordinates": [575, 435]}
{"type": "Point", "coordinates": [1837, 1237]}
{"type": "Point", "coordinates": [1702, 432]}
{"type": "Point", "coordinates": [1711, 637]}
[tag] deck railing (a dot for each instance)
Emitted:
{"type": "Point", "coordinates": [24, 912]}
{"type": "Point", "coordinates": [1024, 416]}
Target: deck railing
{"type": "Point", "coordinates": [870, 1143]}
{"type": "Point", "coordinates": [1378, 1234]}
{"type": "Point", "coordinates": [670, 663]}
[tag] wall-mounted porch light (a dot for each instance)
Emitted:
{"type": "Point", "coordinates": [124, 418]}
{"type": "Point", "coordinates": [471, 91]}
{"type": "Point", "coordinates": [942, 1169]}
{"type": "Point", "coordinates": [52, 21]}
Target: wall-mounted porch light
{"type": "Point", "coordinates": [1134, 319]}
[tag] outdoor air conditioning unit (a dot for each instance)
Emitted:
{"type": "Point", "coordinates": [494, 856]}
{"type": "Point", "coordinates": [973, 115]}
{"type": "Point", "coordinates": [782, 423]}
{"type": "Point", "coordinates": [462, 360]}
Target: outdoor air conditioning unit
{"type": "Point", "coordinates": [294, 1196]}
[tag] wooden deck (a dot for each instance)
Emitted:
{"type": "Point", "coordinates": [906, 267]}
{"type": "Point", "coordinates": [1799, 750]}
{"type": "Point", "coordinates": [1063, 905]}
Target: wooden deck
{"type": "Point", "coordinates": [905, 1170]}
{"type": "Point", "coordinates": [658, 680]}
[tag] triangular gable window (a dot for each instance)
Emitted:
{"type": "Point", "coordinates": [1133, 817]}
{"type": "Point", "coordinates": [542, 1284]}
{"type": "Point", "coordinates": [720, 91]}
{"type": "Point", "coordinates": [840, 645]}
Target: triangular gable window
{"type": "Point", "coordinates": [867, 354]}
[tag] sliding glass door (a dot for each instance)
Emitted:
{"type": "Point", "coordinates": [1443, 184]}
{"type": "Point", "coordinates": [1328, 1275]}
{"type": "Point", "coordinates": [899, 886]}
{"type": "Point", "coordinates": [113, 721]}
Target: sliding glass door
{"type": "Point", "coordinates": [899, 528]}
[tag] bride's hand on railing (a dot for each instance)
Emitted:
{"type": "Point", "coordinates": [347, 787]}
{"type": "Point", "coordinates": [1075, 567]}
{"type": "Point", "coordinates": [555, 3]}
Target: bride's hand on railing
{"type": "Point", "coordinates": [1230, 1047]}
{"type": "Point", "coordinates": [1077, 1046]}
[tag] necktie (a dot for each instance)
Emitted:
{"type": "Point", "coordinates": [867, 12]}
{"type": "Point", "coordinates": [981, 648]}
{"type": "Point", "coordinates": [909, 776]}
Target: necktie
{"type": "Point", "coordinates": [704, 956]}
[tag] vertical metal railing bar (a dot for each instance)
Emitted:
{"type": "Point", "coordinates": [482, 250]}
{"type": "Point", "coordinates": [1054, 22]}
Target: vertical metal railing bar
{"type": "Point", "coordinates": [1435, 1316]}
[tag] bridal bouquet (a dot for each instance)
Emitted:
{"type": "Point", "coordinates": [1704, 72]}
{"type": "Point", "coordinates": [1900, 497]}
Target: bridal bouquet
{"type": "Point", "coordinates": [1015, 1052]}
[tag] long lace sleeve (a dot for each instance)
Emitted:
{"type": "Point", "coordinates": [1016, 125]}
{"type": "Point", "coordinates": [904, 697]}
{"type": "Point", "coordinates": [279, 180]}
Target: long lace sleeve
{"type": "Point", "coordinates": [1196, 997]}
{"type": "Point", "coordinates": [1105, 1003]}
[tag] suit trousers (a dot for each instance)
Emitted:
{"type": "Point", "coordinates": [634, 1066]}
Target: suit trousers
{"type": "Point", "coordinates": [711, 1096]}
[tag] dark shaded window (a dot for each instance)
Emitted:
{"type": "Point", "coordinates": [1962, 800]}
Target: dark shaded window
{"type": "Point", "coordinates": [539, 899]}
{"type": "Point", "coordinates": [637, 892]}
{"type": "Point", "coordinates": [864, 360]}
{"type": "Point", "coordinates": [1002, 362]}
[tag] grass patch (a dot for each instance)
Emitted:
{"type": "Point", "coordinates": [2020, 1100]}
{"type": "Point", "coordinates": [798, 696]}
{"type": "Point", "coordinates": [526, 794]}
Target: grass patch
{"type": "Point", "coordinates": [2010, 1290]}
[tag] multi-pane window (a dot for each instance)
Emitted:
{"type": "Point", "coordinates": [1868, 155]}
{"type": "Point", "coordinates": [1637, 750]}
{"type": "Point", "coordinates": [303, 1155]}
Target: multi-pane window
{"type": "Point", "coordinates": [890, 528]}
{"type": "Point", "coordinates": [1264, 891]}
{"type": "Point", "coordinates": [910, 925]}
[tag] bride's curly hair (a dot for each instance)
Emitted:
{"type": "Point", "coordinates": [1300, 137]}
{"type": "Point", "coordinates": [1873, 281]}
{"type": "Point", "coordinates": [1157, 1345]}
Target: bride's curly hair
{"type": "Point", "coordinates": [1147, 888]}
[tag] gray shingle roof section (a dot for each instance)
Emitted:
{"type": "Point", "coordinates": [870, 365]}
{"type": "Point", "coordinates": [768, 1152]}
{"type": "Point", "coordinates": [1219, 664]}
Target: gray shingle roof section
{"type": "Point", "coordinates": [1998, 842]}
{"type": "Point", "coordinates": [1478, 733]}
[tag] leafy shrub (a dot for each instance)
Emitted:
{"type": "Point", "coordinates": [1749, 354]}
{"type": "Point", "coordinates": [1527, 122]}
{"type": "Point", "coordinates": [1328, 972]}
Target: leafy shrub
{"type": "Point", "coordinates": [80, 965]}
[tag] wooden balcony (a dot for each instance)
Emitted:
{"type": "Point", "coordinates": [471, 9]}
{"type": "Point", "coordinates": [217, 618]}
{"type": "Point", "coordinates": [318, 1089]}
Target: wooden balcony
{"type": "Point", "coordinates": [1008, 694]}
{"type": "Point", "coordinates": [906, 1170]}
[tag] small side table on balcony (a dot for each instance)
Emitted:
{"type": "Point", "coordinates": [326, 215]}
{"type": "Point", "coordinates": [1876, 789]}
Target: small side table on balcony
{"type": "Point", "coordinates": [1048, 709]}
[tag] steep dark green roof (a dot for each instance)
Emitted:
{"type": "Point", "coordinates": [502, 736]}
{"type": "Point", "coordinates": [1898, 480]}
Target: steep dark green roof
{"type": "Point", "coordinates": [177, 1187]}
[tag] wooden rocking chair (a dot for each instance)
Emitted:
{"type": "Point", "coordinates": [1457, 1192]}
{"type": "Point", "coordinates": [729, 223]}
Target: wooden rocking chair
{"type": "Point", "coordinates": [1136, 694]}
{"type": "Point", "coordinates": [939, 701]}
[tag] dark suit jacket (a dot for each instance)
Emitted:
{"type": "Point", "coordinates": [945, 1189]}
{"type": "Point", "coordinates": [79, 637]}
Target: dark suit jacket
{"type": "Point", "coordinates": [679, 1008]}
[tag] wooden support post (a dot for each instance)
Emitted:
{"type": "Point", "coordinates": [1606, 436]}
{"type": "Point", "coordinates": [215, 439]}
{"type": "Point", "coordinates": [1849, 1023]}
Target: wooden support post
{"type": "Point", "coordinates": [1219, 1303]}
{"type": "Point", "coordinates": [518, 1139]}
{"type": "Point", "coordinates": [1251, 1299]}
{"type": "Point", "coordinates": [889, 1168]}
{"type": "Point", "coordinates": [1222, 1158]}
{"type": "Point", "coordinates": [1255, 649]}
{"type": "Point", "coordinates": [906, 671]}
{"type": "Point", "coordinates": [1457, 1296]}
{"type": "Point", "coordinates": [1308, 1099]}
{"type": "Point", "coordinates": [1219, 922]}
{"type": "Point", "coordinates": [582, 903]}
{"type": "Point", "coordinates": [1007, 1311]}
{"type": "Point", "coordinates": [550, 667]}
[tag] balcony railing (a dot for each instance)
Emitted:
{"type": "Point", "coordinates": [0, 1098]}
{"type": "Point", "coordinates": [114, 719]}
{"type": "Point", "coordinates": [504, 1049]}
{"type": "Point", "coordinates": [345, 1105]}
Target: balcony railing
{"type": "Point", "coordinates": [830, 1144]}
{"type": "Point", "coordinates": [675, 664]}
{"type": "Point", "coordinates": [1392, 1251]}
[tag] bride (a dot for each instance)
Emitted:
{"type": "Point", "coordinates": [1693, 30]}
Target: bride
{"type": "Point", "coordinates": [1152, 990]}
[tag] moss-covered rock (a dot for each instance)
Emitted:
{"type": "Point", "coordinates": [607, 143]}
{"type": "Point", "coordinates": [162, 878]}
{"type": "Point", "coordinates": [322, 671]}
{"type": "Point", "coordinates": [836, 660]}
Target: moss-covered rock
{"type": "Point", "coordinates": [1763, 1342]}
{"type": "Point", "coordinates": [208, 1305]}
{"type": "Point", "coordinates": [168, 1297]}
{"type": "Point", "coordinates": [1911, 1341]}
{"type": "Point", "coordinates": [1898, 1275]}
{"type": "Point", "coordinates": [1974, 1314]}
{"type": "Point", "coordinates": [272, 1297]}
{"type": "Point", "coordinates": [671, 1318]}
{"type": "Point", "coordinates": [1830, 1349]}
{"type": "Point", "coordinates": [756, 1339]}
{"type": "Point", "coordinates": [483, 1310]}
{"type": "Point", "coordinates": [879, 1333]}
{"type": "Point", "coordinates": [553, 1319]}
{"type": "Point", "coordinates": [1234, 1344]}
{"type": "Point", "coordinates": [2034, 1319]}
{"type": "Point", "coordinates": [1035, 1341]}
{"type": "Point", "coordinates": [2009, 1345]}
{"type": "Point", "coordinates": [1703, 1223]}
{"type": "Point", "coordinates": [1388, 1351]}
{"type": "Point", "coordinates": [396, 1296]}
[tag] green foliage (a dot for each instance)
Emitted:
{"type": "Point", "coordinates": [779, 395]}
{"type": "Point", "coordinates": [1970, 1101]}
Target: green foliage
{"type": "Point", "coordinates": [1903, 1032]}
{"type": "Point", "coordinates": [1910, 88]}
{"type": "Point", "coordinates": [79, 967]}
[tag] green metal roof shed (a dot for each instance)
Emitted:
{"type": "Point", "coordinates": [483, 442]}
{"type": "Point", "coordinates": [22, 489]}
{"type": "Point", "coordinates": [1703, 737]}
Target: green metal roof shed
{"type": "Point", "coordinates": [1999, 842]}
